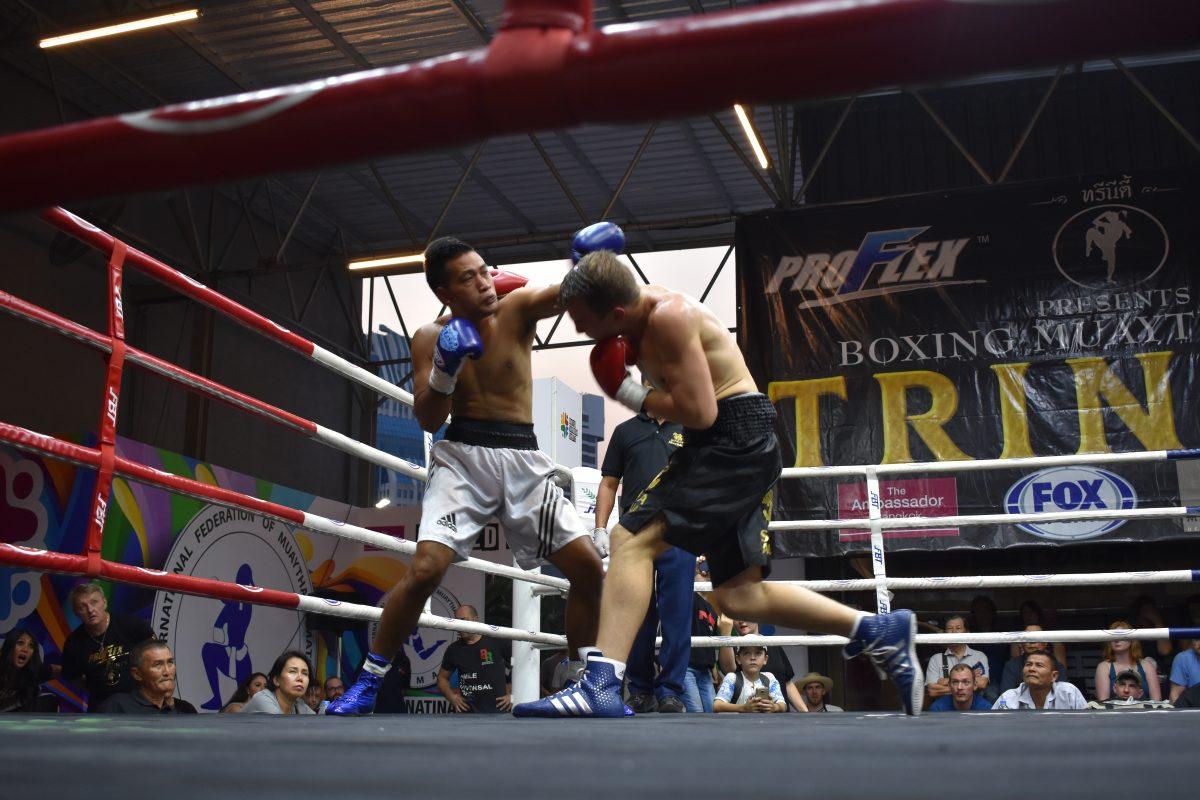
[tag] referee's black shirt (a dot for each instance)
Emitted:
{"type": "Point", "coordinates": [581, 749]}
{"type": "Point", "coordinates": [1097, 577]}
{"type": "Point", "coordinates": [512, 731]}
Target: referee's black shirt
{"type": "Point", "coordinates": [638, 450]}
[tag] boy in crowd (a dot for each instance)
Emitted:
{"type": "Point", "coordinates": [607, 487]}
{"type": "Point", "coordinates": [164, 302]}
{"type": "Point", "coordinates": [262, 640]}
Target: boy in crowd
{"type": "Point", "coordinates": [749, 689]}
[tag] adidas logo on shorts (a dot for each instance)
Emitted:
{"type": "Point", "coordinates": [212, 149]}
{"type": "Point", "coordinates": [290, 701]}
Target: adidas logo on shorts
{"type": "Point", "coordinates": [448, 523]}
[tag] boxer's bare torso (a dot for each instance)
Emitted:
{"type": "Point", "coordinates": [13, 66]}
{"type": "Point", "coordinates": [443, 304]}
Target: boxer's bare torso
{"type": "Point", "coordinates": [499, 385]}
{"type": "Point", "coordinates": [684, 349]}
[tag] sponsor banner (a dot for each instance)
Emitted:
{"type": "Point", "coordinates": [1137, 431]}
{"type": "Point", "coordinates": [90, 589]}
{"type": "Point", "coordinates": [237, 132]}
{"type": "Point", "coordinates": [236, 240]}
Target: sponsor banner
{"type": "Point", "coordinates": [923, 497]}
{"type": "Point", "coordinates": [219, 644]}
{"type": "Point", "coordinates": [1044, 318]}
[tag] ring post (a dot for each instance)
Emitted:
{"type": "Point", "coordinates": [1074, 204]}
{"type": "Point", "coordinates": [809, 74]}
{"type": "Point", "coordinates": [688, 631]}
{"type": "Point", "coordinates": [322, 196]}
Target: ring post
{"type": "Point", "coordinates": [883, 598]}
{"type": "Point", "coordinates": [526, 659]}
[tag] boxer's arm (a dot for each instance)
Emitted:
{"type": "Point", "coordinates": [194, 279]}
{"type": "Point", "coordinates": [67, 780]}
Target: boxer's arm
{"type": "Point", "coordinates": [430, 408]}
{"type": "Point", "coordinates": [691, 400]}
{"type": "Point", "coordinates": [536, 303]}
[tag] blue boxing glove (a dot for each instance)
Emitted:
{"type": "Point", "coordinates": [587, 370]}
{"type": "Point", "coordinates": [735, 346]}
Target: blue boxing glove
{"type": "Point", "coordinates": [600, 236]}
{"type": "Point", "coordinates": [458, 340]}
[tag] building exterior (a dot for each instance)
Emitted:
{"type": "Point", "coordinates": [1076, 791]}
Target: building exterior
{"type": "Point", "coordinates": [593, 429]}
{"type": "Point", "coordinates": [396, 429]}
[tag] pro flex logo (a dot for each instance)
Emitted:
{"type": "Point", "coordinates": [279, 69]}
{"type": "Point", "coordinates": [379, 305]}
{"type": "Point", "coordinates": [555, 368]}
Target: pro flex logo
{"type": "Point", "coordinates": [886, 262]}
{"type": "Point", "coordinates": [1070, 489]}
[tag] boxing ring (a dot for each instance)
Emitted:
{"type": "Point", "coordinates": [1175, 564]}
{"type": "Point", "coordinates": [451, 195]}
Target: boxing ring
{"type": "Point", "coordinates": [539, 73]}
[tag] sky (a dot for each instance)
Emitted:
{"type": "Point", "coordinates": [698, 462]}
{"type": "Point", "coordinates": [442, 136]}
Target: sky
{"type": "Point", "coordinates": [687, 271]}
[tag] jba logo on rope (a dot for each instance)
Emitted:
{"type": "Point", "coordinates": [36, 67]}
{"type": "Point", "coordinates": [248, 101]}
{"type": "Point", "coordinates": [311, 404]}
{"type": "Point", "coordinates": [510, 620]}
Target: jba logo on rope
{"type": "Point", "coordinates": [851, 274]}
{"type": "Point", "coordinates": [1079, 488]}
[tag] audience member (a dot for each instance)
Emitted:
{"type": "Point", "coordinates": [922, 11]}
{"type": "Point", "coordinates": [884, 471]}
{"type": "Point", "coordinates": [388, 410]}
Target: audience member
{"type": "Point", "coordinates": [334, 688]}
{"type": "Point", "coordinates": [638, 451]}
{"type": "Point", "coordinates": [1011, 676]}
{"type": "Point", "coordinates": [962, 696]}
{"type": "Point", "coordinates": [483, 683]}
{"type": "Point", "coordinates": [98, 650]}
{"type": "Point", "coordinates": [251, 686]}
{"type": "Point", "coordinates": [1191, 616]}
{"type": "Point", "coordinates": [1128, 685]}
{"type": "Point", "coordinates": [22, 673]}
{"type": "Point", "coordinates": [1146, 615]}
{"type": "Point", "coordinates": [1031, 614]}
{"type": "Point", "coordinates": [1121, 655]}
{"type": "Point", "coordinates": [814, 688]}
{"type": "Point", "coordinates": [1185, 670]}
{"type": "Point", "coordinates": [983, 620]}
{"type": "Point", "coordinates": [937, 673]}
{"type": "Point", "coordinates": [1189, 699]}
{"type": "Point", "coordinates": [315, 696]}
{"type": "Point", "coordinates": [395, 686]}
{"type": "Point", "coordinates": [152, 670]}
{"type": "Point", "coordinates": [778, 664]}
{"type": "Point", "coordinates": [698, 680]}
{"type": "Point", "coordinates": [1041, 688]}
{"type": "Point", "coordinates": [287, 683]}
{"type": "Point", "coordinates": [750, 689]}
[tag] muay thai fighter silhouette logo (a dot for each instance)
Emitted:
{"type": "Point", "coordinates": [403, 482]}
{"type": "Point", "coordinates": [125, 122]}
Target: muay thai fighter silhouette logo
{"type": "Point", "coordinates": [1111, 247]}
{"type": "Point", "coordinates": [220, 643]}
{"type": "Point", "coordinates": [228, 653]}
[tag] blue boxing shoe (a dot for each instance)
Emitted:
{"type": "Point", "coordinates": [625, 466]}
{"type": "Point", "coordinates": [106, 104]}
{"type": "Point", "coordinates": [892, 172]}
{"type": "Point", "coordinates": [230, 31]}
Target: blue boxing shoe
{"type": "Point", "coordinates": [890, 641]}
{"type": "Point", "coordinates": [359, 699]}
{"type": "Point", "coordinates": [597, 695]}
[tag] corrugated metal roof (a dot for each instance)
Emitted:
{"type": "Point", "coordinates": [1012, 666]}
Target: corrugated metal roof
{"type": "Point", "coordinates": [687, 172]}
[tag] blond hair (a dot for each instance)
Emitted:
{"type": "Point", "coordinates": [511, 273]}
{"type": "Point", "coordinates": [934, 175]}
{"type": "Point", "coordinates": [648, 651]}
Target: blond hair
{"type": "Point", "coordinates": [601, 281]}
{"type": "Point", "coordinates": [83, 589]}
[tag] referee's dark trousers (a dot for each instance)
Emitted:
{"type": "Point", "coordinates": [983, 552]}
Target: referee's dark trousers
{"type": "Point", "coordinates": [671, 603]}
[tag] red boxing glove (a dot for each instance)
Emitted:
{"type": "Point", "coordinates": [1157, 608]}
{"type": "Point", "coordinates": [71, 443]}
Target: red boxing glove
{"type": "Point", "coordinates": [610, 360]}
{"type": "Point", "coordinates": [506, 282]}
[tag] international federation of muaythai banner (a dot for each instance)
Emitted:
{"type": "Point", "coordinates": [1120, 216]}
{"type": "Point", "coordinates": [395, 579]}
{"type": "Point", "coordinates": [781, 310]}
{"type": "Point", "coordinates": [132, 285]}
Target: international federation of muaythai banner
{"type": "Point", "coordinates": [1035, 319]}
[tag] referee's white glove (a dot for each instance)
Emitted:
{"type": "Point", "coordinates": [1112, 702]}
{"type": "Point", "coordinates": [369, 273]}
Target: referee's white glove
{"type": "Point", "coordinates": [600, 540]}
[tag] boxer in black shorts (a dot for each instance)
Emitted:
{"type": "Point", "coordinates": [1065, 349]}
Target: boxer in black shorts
{"type": "Point", "coordinates": [715, 493]}
{"type": "Point", "coordinates": [714, 496]}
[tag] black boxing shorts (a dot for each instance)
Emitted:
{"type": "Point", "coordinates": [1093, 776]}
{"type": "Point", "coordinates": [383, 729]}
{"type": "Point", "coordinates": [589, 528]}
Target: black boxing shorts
{"type": "Point", "coordinates": [715, 492]}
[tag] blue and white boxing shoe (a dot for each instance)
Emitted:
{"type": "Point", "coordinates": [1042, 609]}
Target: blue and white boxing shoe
{"type": "Point", "coordinates": [598, 694]}
{"type": "Point", "coordinates": [359, 699]}
{"type": "Point", "coordinates": [890, 641]}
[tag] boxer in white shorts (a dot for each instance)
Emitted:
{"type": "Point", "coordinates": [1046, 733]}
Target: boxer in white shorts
{"type": "Point", "coordinates": [473, 366]}
{"type": "Point", "coordinates": [493, 470]}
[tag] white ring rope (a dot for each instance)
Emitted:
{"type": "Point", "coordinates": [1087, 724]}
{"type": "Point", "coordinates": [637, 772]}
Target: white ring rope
{"type": "Point", "coordinates": [1049, 637]}
{"type": "Point", "coordinates": [991, 581]}
{"type": "Point", "coordinates": [333, 608]}
{"type": "Point", "coordinates": [892, 523]}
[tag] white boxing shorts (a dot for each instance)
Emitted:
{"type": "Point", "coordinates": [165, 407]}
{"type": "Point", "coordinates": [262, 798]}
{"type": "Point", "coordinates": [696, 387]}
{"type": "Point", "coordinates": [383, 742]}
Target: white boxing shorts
{"type": "Point", "coordinates": [487, 470]}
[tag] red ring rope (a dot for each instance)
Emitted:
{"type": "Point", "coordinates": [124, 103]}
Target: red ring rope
{"type": "Point", "coordinates": [542, 78]}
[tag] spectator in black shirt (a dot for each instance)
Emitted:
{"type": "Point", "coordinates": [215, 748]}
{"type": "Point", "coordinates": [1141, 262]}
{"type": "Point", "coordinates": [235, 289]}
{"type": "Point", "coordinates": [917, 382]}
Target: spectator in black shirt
{"type": "Point", "coordinates": [638, 451]}
{"type": "Point", "coordinates": [22, 673]}
{"type": "Point", "coordinates": [698, 686]}
{"type": "Point", "coordinates": [152, 670]}
{"type": "Point", "coordinates": [98, 650]}
{"type": "Point", "coordinates": [483, 683]}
